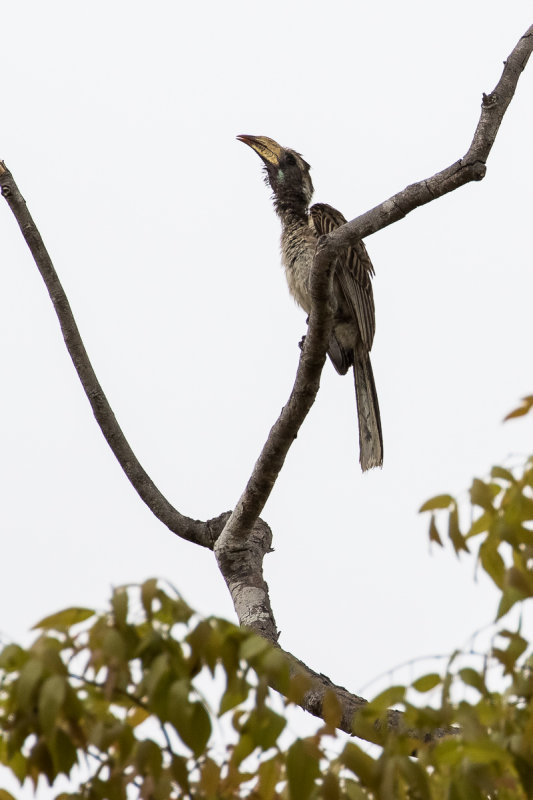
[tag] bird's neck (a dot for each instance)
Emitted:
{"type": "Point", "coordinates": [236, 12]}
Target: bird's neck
{"type": "Point", "coordinates": [292, 210]}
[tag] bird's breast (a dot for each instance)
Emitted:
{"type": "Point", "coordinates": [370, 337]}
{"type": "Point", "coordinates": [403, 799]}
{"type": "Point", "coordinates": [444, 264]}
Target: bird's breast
{"type": "Point", "coordinates": [297, 252]}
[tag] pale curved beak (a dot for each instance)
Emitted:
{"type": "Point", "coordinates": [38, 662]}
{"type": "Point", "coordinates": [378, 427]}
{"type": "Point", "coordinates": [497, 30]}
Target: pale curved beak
{"type": "Point", "coordinates": [266, 148]}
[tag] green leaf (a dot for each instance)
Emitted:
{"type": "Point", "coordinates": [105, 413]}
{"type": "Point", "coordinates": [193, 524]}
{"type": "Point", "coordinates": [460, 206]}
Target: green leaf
{"type": "Point", "coordinates": [113, 645]}
{"type": "Point", "coordinates": [331, 709]}
{"type": "Point", "coordinates": [18, 764]}
{"type": "Point", "coordinates": [387, 698]}
{"type": "Point", "coordinates": [200, 729]}
{"type": "Point", "coordinates": [353, 790]}
{"type": "Point", "coordinates": [180, 772]}
{"type": "Point", "coordinates": [40, 761]}
{"type": "Point", "coordinates": [434, 535]}
{"type": "Point", "coordinates": [244, 747]}
{"type": "Point", "coordinates": [5, 795]}
{"type": "Point", "coordinates": [236, 692]}
{"type": "Point", "coordinates": [274, 666]}
{"type": "Point", "coordinates": [265, 726]}
{"type": "Point", "coordinates": [299, 685]}
{"type": "Point", "coordinates": [365, 722]}
{"type": "Point", "coordinates": [361, 764]}
{"type": "Point", "coordinates": [492, 562]}
{"type": "Point", "coordinates": [66, 618]}
{"type": "Point", "coordinates": [473, 678]}
{"type": "Point", "coordinates": [213, 647]}
{"type": "Point", "coordinates": [454, 532]}
{"type": "Point", "coordinates": [528, 475]}
{"type": "Point", "coordinates": [200, 636]}
{"type": "Point", "coordinates": [330, 788]}
{"type": "Point", "coordinates": [527, 405]}
{"type": "Point", "coordinates": [448, 751]}
{"type": "Point", "coordinates": [500, 473]}
{"type": "Point", "coordinates": [12, 658]}
{"type": "Point", "coordinates": [417, 779]}
{"type": "Point", "coordinates": [483, 494]}
{"type": "Point", "coordinates": [302, 769]}
{"type": "Point", "coordinates": [148, 593]}
{"type": "Point", "coordinates": [149, 758]}
{"type": "Point", "coordinates": [209, 778]}
{"type": "Point", "coordinates": [516, 647]}
{"type": "Point", "coordinates": [51, 698]}
{"type": "Point", "coordinates": [125, 741]}
{"type": "Point", "coordinates": [480, 525]}
{"type": "Point", "coordinates": [269, 773]}
{"type": "Point", "coordinates": [427, 682]}
{"type": "Point", "coordinates": [190, 719]}
{"type": "Point", "coordinates": [439, 501]}
{"type": "Point", "coordinates": [64, 796]}
{"type": "Point", "coordinates": [136, 716]}
{"type": "Point", "coordinates": [157, 677]}
{"type": "Point", "coordinates": [253, 646]}
{"type": "Point", "coordinates": [48, 649]}
{"type": "Point", "coordinates": [119, 604]}
{"type": "Point", "coordinates": [521, 580]}
{"type": "Point", "coordinates": [519, 507]}
{"type": "Point", "coordinates": [508, 599]}
{"type": "Point", "coordinates": [63, 752]}
{"type": "Point", "coordinates": [28, 680]}
{"type": "Point", "coordinates": [485, 752]}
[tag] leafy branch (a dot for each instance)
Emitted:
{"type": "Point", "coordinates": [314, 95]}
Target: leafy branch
{"type": "Point", "coordinates": [240, 538]}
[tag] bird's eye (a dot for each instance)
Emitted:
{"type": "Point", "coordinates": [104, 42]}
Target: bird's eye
{"type": "Point", "coordinates": [289, 158]}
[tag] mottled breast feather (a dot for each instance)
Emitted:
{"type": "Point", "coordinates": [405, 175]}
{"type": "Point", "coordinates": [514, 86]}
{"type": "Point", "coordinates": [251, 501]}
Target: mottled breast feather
{"type": "Point", "coordinates": [298, 243]}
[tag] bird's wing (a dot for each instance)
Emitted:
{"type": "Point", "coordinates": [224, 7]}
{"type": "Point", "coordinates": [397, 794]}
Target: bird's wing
{"type": "Point", "coordinates": [353, 272]}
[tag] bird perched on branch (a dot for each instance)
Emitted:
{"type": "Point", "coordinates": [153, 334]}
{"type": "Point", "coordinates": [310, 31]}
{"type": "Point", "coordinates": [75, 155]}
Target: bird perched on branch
{"type": "Point", "coordinates": [354, 317]}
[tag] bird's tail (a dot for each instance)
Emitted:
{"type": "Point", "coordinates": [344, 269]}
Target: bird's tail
{"type": "Point", "coordinates": [370, 437]}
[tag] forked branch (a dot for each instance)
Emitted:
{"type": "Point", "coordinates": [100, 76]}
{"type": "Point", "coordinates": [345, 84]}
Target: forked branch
{"type": "Point", "coordinates": [241, 539]}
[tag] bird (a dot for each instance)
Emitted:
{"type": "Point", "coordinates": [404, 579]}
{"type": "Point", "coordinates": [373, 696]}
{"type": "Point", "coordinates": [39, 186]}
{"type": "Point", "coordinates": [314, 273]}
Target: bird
{"type": "Point", "coordinates": [354, 325]}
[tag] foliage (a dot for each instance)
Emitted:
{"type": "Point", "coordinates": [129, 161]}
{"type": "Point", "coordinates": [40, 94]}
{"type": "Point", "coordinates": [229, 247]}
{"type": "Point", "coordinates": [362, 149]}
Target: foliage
{"type": "Point", "coordinates": [502, 513]}
{"type": "Point", "coordinates": [114, 700]}
{"type": "Point", "coordinates": [121, 695]}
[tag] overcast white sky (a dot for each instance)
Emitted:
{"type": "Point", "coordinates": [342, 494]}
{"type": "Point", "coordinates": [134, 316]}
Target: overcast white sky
{"type": "Point", "coordinates": [118, 121]}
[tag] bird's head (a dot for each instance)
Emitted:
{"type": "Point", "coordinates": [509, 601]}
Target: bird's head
{"type": "Point", "coordinates": [286, 171]}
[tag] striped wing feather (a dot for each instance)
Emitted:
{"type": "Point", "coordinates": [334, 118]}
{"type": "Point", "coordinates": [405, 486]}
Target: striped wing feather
{"type": "Point", "coordinates": [354, 271]}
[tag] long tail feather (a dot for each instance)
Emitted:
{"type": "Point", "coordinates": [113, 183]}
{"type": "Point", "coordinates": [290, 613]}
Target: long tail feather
{"type": "Point", "coordinates": [370, 437]}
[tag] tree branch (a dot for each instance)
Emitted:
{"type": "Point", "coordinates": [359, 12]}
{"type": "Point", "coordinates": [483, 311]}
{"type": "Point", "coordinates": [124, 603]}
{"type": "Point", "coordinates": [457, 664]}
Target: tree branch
{"type": "Point", "coordinates": [241, 539]}
{"type": "Point", "coordinates": [193, 530]}
{"type": "Point", "coordinates": [469, 168]}
{"type": "Point", "coordinates": [285, 429]}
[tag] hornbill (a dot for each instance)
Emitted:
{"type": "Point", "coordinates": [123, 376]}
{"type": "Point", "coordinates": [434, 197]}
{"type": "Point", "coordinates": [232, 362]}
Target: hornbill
{"type": "Point", "coordinates": [354, 316]}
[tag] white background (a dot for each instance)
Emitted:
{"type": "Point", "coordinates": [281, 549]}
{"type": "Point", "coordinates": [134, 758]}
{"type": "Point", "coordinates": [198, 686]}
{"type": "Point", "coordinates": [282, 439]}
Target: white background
{"type": "Point", "coordinates": [118, 121]}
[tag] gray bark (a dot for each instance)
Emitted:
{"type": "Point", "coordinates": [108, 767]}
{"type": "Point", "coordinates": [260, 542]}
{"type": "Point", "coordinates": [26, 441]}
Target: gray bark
{"type": "Point", "coordinates": [240, 539]}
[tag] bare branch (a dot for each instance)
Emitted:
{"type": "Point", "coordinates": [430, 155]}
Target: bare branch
{"type": "Point", "coordinates": [246, 539]}
{"type": "Point", "coordinates": [469, 168]}
{"type": "Point", "coordinates": [240, 561]}
{"type": "Point", "coordinates": [240, 539]}
{"type": "Point", "coordinates": [285, 429]}
{"type": "Point", "coordinates": [193, 530]}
